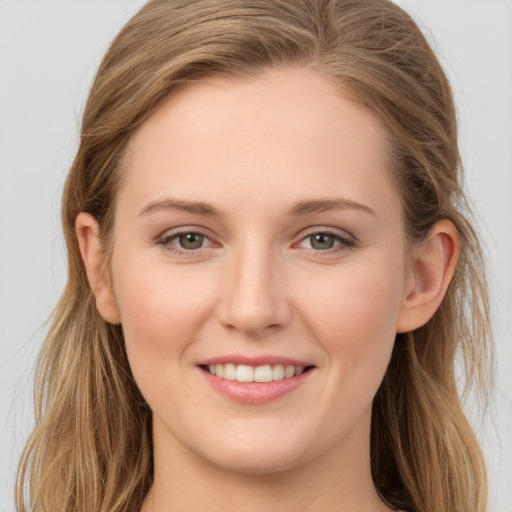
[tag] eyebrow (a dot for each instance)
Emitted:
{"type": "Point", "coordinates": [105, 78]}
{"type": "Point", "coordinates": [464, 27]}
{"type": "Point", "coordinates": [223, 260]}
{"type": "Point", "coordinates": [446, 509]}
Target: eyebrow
{"type": "Point", "coordinates": [322, 205]}
{"type": "Point", "coordinates": [300, 208]}
{"type": "Point", "coordinates": [197, 207]}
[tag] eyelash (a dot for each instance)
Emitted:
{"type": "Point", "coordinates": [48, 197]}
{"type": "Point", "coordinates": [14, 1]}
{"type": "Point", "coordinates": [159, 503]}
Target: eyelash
{"type": "Point", "coordinates": [344, 242]}
{"type": "Point", "coordinates": [166, 242]}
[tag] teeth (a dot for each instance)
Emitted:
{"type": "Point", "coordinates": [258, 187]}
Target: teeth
{"type": "Point", "coordinates": [246, 373]}
{"type": "Point", "coordinates": [278, 372]}
{"type": "Point", "coordinates": [230, 372]}
{"type": "Point", "coordinates": [263, 373]}
{"type": "Point", "coordinates": [289, 371]}
{"type": "Point", "coordinates": [298, 370]}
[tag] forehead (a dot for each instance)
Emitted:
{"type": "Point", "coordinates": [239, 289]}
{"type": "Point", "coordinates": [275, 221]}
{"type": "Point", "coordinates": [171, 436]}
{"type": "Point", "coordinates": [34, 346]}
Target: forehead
{"type": "Point", "coordinates": [281, 135]}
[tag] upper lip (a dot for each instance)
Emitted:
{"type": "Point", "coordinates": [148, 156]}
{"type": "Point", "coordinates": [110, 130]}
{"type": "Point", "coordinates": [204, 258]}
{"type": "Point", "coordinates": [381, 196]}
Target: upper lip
{"type": "Point", "coordinates": [254, 361]}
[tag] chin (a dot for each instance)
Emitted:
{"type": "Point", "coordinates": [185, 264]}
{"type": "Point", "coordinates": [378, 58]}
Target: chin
{"type": "Point", "coordinates": [265, 453]}
{"type": "Point", "coordinates": [255, 461]}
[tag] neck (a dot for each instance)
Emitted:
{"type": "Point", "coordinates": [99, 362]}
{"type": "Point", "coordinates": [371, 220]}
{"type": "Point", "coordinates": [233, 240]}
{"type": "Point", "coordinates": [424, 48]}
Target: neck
{"type": "Point", "coordinates": [337, 480]}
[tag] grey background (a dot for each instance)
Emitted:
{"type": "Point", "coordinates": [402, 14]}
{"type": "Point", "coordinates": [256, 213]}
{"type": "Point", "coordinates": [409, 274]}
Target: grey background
{"type": "Point", "coordinates": [49, 52]}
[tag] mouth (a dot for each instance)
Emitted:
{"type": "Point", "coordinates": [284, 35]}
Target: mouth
{"type": "Point", "coordinates": [261, 374]}
{"type": "Point", "coordinates": [255, 380]}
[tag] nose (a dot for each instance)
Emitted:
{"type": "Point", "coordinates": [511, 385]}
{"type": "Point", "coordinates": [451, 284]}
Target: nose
{"type": "Point", "coordinates": [254, 294]}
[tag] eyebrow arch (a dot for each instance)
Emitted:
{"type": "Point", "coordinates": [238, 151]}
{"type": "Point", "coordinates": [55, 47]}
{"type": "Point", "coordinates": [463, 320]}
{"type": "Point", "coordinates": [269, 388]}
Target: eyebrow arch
{"type": "Point", "coordinates": [322, 205]}
{"type": "Point", "coordinates": [300, 208]}
{"type": "Point", "coordinates": [197, 207]}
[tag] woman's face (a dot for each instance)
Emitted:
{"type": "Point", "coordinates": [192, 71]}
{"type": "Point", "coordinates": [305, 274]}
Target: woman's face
{"type": "Point", "coordinates": [258, 235]}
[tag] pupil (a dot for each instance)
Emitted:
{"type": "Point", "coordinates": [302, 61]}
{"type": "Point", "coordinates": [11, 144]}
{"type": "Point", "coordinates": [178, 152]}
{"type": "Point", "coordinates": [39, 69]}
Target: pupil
{"type": "Point", "coordinates": [191, 241]}
{"type": "Point", "coordinates": [322, 241]}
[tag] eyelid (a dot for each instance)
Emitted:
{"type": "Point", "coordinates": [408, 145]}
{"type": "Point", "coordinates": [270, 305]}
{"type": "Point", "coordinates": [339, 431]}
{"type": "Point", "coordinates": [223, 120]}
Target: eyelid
{"type": "Point", "coordinates": [346, 239]}
{"type": "Point", "coordinates": [165, 238]}
{"type": "Point", "coordinates": [179, 230]}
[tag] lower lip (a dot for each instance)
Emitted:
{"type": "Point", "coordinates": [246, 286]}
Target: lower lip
{"type": "Point", "coordinates": [254, 393]}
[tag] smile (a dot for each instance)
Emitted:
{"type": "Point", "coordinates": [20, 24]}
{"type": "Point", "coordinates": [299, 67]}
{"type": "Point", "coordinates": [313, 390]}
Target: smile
{"type": "Point", "coordinates": [254, 381]}
{"type": "Point", "coordinates": [263, 373]}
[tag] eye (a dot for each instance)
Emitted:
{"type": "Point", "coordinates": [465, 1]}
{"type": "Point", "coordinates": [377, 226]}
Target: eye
{"type": "Point", "coordinates": [325, 241]}
{"type": "Point", "coordinates": [184, 242]}
{"type": "Point", "coordinates": [322, 241]}
{"type": "Point", "coordinates": [190, 241]}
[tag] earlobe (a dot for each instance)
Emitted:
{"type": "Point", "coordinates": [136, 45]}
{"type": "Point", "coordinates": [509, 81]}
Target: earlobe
{"type": "Point", "coordinates": [432, 267]}
{"type": "Point", "coordinates": [94, 258]}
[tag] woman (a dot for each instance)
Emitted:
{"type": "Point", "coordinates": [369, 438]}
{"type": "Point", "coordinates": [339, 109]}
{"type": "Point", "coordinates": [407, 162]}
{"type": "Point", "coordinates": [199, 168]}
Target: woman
{"type": "Point", "coordinates": [271, 269]}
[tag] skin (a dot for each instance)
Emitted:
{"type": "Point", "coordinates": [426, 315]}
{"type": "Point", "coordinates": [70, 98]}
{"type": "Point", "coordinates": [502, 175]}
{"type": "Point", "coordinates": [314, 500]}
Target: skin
{"type": "Point", "coordinates": [253, 150]}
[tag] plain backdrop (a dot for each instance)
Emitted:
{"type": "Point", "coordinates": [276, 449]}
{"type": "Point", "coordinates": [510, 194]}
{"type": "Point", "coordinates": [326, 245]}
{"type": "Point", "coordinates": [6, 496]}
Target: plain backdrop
{"type": "Point", "coordinates": [49, 51]}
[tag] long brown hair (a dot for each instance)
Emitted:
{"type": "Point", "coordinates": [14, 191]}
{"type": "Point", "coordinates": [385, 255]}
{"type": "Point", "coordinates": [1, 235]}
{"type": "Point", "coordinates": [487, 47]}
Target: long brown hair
{"type": "Point", "coordinates": [424, 454]}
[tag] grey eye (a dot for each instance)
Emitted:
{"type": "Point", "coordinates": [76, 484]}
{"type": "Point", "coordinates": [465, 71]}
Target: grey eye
{"type": "Point", "coordinates": [322, 241]}
{"type": "Point", "coordinates": [191, 241]}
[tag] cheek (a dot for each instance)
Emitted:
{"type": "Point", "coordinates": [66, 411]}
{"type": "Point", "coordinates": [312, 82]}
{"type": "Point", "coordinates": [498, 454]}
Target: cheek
{"type": "Point", "coordinates": [353, 315]}
{"type": "Point", "coordinates": [161, 309]}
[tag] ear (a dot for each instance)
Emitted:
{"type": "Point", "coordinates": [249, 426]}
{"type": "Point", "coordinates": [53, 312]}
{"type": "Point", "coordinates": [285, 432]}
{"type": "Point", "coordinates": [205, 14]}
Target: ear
{"type": "Point", "coordinates": [432, 267]}
{"type": "Point", "coordinates": [94, 258]}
